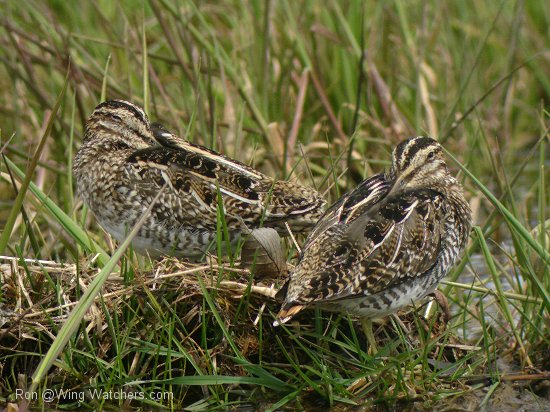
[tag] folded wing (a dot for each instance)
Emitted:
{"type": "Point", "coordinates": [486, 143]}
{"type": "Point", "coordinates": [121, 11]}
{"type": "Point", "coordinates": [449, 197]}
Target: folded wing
{"type": "Point", "coordinates": [359, 245]}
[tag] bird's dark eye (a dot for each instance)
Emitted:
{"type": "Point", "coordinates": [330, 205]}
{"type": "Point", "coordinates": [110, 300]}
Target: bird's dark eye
{"type": "Point", "coordinates": [116, 117]}
{"type": "Point", "coordinates": [431, 155]}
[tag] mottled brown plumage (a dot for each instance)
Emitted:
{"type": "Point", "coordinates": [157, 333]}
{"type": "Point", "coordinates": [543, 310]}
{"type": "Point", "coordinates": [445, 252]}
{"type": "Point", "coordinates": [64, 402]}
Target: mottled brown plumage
{"type": "Point", "coordinates": [125, 161]}
{"type": "Point", "coordinates": [388, 242]}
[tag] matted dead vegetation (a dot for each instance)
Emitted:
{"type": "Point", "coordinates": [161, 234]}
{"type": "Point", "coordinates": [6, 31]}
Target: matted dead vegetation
{"type": "Point", "coordinates": [246, 309]}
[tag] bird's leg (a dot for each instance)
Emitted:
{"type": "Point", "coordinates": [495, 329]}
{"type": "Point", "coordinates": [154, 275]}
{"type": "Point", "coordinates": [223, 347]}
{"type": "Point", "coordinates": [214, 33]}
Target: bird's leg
{"type": "Point", "coordinates": [443, 303]}
{"type": "Point", "coordinates": [398, 320]}
{"type": "Point", "coordinates": [366, 323]}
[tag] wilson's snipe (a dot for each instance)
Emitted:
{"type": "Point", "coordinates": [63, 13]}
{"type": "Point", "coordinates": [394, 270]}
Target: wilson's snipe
{"type": "Point", "coordinates": [125, 161]}
{"type": "Point", "coordinates": [385, 244]}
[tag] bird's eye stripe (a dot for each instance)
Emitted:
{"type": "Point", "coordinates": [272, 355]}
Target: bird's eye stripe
{"type": "Point", "coordinates": [116, 105]}
{"type": "Point", "coordinates": [399, 153]}
{"type": "Point", "coordinates": [413, 148]}
{"type": "Point", "coordinates": [406, 155]}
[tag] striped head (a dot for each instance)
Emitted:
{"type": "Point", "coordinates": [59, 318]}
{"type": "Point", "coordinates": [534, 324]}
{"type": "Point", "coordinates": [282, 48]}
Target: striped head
{"type": "Point", "coordinates": [417, 162]}
{"type": "Point", "coordinates": [119, 121]}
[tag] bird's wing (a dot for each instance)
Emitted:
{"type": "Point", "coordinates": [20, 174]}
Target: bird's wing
{"type": "Point", "coordinates": [410, 246]}
{"type": "Point", "coordinates": [355, 203]}
{"type": "Point", "coordinates": [198, 177]}
{"type": "Point", "coordinates": [210, 157]}
{"type": "Point", "coordinates": [386, 244]}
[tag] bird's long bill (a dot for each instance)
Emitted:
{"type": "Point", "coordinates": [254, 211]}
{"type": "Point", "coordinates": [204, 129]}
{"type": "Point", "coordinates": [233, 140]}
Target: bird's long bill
{"type": "Point", "coordinates": [285, 315]}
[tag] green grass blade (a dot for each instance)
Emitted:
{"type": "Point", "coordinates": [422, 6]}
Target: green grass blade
{"type": "Point", "coordinates": [510, 218]}
{"type": "Point", "coordinates": [210, 380]}
{"type": "Point", "coordinates": [503, 303]}
{"type": "Point", "coordinates": [145, 68]}
{"type": "Point", "coordinates": [265, 377]}
{"type": "Point", "coordinates": [105, 79]}
{"type": "Point", "coordinates": [18, 203]}
{"type": "Point", "coordinates": [68, 224]}
{"type": "Point", "coordinates": [78, 312]}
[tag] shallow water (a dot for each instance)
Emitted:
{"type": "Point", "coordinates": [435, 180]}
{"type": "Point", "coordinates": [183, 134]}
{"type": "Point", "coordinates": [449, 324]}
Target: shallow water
{"type": "Point", "coordinates": [477, 273]}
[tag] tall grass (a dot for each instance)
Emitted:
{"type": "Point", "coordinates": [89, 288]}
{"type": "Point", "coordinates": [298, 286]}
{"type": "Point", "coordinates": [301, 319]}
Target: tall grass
{"type": "Point", "coordinates": [317, 92]}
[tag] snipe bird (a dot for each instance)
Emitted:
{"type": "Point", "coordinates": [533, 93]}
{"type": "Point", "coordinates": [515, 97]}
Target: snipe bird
{"type": "Point", "coordinates": [385, 244]}
{"type": "Point", "coordinates": [125, 161]}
